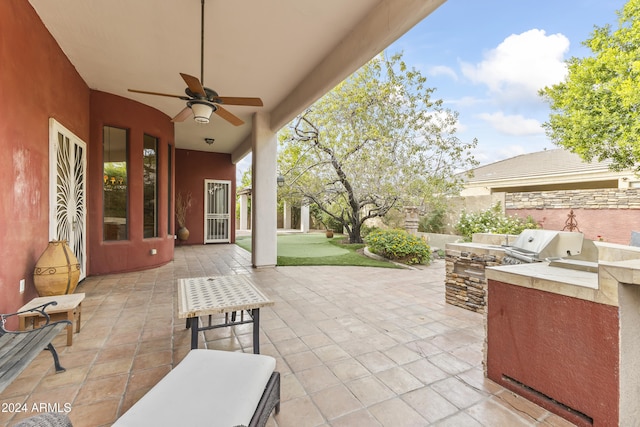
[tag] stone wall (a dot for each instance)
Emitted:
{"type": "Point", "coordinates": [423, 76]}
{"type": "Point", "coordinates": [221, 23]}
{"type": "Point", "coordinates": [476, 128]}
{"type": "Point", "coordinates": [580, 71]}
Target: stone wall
{"type": "Point", "coordinates": [465, 281]}
{"type": "Point", "coordinates": [610, 198]}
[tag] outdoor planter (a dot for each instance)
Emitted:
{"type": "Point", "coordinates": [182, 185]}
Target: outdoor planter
{"type": "Point", "coordinates": [57, 271]}
{"type": "Point", "coordinates": [183, 234]}
{"type": "Point", "coordinates": [183, 205]}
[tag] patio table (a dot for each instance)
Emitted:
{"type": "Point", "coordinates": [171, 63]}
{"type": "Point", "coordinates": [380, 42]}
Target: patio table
{"type": "Point", "coordinates": [202, 296]}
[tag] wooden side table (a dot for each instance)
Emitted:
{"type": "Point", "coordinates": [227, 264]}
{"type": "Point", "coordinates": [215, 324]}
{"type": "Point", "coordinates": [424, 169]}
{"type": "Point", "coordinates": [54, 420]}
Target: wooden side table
{"type": "Point", "coordinates": [69, 307]}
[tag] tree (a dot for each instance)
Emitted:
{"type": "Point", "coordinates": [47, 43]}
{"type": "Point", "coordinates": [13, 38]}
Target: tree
{"type": "Point", "coordinates": [373, 143]}
{"type": "Point", "coordinates": [245, 180]}
{"type": "Point", "coordinates": [596, 110]}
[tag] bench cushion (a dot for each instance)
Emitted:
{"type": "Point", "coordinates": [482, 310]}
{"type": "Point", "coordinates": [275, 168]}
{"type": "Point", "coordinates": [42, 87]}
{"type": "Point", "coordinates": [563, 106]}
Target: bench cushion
{"type": "Point", "coordinates": [209, 387]}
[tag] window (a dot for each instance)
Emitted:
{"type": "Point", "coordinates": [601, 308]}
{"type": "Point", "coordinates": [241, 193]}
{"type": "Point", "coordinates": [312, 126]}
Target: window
{"type": "Point", "coordinates": [150, 186]}
{"type": "Point", "coordinates": [115, 189]}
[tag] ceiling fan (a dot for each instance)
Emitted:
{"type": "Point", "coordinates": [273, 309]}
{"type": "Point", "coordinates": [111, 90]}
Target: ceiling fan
{"type": "Point", "coordinates": [203, 101]}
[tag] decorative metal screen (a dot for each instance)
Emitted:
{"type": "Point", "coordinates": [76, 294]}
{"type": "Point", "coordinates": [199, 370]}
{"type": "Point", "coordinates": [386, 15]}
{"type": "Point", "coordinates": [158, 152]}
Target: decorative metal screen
{"type": "Point", "coordinates": [69, 212]}
{"type": "Point", "coordinates": [217, 206]}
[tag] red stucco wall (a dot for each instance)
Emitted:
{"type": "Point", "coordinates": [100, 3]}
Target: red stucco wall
{"type": "Point", "coordinates": [612, 225]}
{"type": "Point", "coordinates": [138, 119]}
{"type": "Point", "coordinates": [562, 347]}
{"type": "Point", "coordinates": [37, 82]}
{"type": "Point", "coordinates": [192, 168]}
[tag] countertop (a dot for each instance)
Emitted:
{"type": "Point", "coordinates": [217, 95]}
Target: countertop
{"type": "Point", "coordinates": [572, 283]}
{"type": "Point", "coordinates": [617, 264]}
{"type": "Point", "coordinates": [626, 271]}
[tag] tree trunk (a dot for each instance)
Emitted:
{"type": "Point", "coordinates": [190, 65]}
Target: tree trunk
{"type": "Point", "coordinates": [354, 232]}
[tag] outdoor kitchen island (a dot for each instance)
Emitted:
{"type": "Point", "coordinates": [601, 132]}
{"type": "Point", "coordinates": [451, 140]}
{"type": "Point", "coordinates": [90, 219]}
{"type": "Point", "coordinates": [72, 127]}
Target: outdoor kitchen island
{"type": "Point", "coordinates": [568, 337]}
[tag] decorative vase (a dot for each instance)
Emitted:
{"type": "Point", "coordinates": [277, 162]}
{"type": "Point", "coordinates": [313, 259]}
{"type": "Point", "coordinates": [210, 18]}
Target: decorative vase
{"type": "Point", "coordinates": [57, 271]}
{"type": "Point", "coordinates": [183, 233]}
{"type": "Point", "coordinates": [329, 233]}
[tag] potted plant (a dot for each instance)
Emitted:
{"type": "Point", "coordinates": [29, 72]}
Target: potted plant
{"type": "Point", "coordinates": [332, 225]}
{"type": "Point", "coordinates": [183, 204]}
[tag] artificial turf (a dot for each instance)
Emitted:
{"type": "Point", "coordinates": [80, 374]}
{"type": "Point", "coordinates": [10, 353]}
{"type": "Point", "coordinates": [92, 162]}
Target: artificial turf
{"type": "Point", "coordinates": [316, 249]}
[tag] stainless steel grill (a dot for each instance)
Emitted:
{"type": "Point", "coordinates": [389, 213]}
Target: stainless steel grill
{"type": "Point", "coordinates": [540, 245]}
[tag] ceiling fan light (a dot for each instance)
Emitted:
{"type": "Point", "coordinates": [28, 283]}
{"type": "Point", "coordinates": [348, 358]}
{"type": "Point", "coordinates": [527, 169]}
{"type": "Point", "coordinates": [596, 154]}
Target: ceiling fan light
{"type": "Point", "coordinates": [201, 111]}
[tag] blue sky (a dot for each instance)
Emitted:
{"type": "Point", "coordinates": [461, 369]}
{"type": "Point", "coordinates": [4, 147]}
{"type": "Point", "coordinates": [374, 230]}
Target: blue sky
{"type": "Point", "coordinates": [487, 59]}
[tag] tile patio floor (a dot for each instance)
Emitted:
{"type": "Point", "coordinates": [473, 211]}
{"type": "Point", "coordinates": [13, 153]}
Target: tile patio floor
{"type": "Point", "coordinates": [355, 347]}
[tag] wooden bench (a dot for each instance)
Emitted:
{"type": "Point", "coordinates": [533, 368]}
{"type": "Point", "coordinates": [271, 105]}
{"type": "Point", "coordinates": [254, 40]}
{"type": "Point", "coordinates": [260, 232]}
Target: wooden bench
{"type": "Point", "coordinates": [19, 348]}
{"type": "Point", "coordinates": [212, 388]}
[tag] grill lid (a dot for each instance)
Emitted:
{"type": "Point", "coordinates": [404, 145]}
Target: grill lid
{"type": "Point", "coordinates": [537, 245]}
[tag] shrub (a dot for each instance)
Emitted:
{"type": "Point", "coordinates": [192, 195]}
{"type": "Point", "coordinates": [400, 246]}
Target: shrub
{"type": "Point", "coordinates": [433, 222]}
{"type": "Point", "coordinates": [365, 230]}
{"type": "Point", "coordinates": [329, 222]}
{"type": "Point", "coordinates": [335, 225]}
{"type": "Point", "coordinates": [399, 245]}
{"type": "Point", "coordinates": [491, 221]}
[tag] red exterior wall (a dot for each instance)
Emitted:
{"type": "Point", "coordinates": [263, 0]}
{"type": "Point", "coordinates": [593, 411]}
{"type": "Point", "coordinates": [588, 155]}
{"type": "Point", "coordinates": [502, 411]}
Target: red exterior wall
{"type": "Point", "coordinates": [562, 347]}
{"type": "Point", "coordinates": [612, 225]}
{"type": "Point", "coordinates": [37, 82]}
{"type": "Point", "coordinates": [192, 168]}
{"type": "Point", "coordinates": [138, 119]}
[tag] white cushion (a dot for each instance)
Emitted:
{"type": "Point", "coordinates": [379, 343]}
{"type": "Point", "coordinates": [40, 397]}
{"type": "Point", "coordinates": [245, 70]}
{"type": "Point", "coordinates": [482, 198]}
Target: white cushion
{"type": "Point", "coordinates": [209, 387]}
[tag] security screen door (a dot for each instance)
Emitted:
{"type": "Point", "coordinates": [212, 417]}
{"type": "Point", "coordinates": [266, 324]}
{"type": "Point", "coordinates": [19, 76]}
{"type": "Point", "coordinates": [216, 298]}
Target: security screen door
{"type": "Point", "coordinates": [217, 211]}
{"type": "Point", "coordinates": [67, 187]}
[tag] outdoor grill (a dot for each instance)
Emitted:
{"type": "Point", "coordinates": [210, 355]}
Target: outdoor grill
{"type": "Point", "coordinates": [540, 245]}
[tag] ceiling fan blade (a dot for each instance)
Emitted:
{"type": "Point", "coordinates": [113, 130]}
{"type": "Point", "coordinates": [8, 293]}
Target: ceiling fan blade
{"type": "Point", "coordinates": [228, 116]}
{"type": "Point", "coordinates": [158, 93]}
{"type": "Point", "coordinates": [182, 115]}
{"type": "Point", "coordinates": [194, 84]}
{"type": "Point", "coordinates": [235, 100]}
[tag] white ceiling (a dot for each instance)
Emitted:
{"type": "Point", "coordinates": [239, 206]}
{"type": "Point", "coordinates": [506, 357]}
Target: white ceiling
{"type": "Point", "coordinates": [287, 52]}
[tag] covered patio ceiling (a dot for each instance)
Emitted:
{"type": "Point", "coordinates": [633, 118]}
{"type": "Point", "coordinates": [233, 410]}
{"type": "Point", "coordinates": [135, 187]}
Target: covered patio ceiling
{"type": "Point", "coordinates": [286, 52]}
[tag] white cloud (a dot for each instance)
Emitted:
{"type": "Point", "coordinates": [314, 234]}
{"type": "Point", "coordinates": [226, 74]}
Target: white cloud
{"type": "Point", "coordinates": [443, 70]}
{"type": "Point", "coordinates": [521, 65]}
{"type": "Point", "coordinates": [516, 125]}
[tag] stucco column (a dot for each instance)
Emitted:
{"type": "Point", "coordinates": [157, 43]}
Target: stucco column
{"type": "Point", "coordinates": [286, 216]}
{"type": "Point", "coordinates": [264, 195]}
{"type": "Point", "coordinates": [304, 217]}
{"type": "Point", "coordinates": [244, 210]}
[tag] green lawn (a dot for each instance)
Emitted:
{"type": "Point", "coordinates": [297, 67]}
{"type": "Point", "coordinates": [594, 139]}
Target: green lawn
{"type": "Point", "coordinates": [316, 249]}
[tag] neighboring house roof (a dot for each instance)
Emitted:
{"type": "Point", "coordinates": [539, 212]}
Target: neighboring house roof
{"type": "Point", "coordinates": [541, 163]}
{"type": "Point", "coordinates": [543, 170]}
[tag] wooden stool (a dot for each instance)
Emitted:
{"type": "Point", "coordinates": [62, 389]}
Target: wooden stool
{"type": "Point", "coordinates": [69, 307]}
